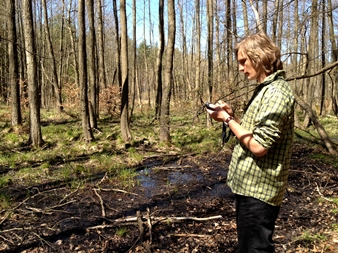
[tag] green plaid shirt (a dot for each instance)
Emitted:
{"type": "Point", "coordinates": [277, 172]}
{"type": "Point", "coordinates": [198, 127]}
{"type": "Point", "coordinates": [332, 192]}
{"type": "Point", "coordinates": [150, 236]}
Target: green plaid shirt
{"type": "Point", "coordinates": [270, 117]}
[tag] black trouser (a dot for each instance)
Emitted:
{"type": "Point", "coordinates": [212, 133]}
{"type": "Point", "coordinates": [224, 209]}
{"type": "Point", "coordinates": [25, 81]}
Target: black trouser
{"type": "Point", "coordinates": [255, 225]}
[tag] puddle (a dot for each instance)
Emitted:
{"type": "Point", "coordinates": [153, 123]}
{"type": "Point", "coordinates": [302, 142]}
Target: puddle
{"type": "Point", "coordinates": [161, 180]}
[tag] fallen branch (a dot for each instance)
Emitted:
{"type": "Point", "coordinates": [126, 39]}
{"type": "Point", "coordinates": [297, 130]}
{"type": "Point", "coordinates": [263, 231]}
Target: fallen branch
{"type": "Point", "coordinates": [134, 220]}
{"type": "Point", "coordinates": [101, 202]}
{"type": "Point", "coordinates": [189, 235]}
{"type": "Point", "coordinates": [119, 190]}
{"type": "Point", "coordinates": [330, 200]}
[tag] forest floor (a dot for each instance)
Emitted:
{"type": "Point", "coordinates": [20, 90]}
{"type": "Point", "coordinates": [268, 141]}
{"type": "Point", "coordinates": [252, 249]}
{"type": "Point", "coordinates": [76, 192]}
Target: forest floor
{"type": "Point", "coordinates": [181, 203]}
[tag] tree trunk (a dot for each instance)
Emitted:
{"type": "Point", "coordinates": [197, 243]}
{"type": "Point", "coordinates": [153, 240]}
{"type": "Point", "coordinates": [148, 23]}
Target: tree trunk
{"type": "Point", "coordinates": [159, 60]}
{"type": "Point", "coordinates": [125, 129]}
{"type": "Point", "coordinates": [210, 42]}
{"type": "Point", "coordinates": [309, 83]}
{"type": "Point", "coordinates": [168, 78]}
{"type": "Point", "coordinates": [198, 52]}
{"type": "Point", "coordinates": [118, 45]}
{"type": "Point", "coordinates": [35, 136]}
{"type": "Point", "coordinates": [87, 131]}
{"type": "Point", "coordinates": [102, 83]}
{"type": "Point", "coordinates": [334, 54]}
{"type": "Point", "coordinates": [322, 108]}
{"type": "Point", "coordinates": [265, 16]}
{"type": "Point", "coordinates": [55, 80]}
{"type": "Point", "coordinates": [93, 94]}
{"type": "Point", "coordinates": [13, 64]}
{"type": "Point", "coordinates": [320, 129]}
{"type": "Point", "coordinates": [73, 44]}
{"type": "Point", "coordinates": [134, 57]}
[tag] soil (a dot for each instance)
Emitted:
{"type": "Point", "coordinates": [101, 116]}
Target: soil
{"type": "Point", "coordinates": [181, 204]}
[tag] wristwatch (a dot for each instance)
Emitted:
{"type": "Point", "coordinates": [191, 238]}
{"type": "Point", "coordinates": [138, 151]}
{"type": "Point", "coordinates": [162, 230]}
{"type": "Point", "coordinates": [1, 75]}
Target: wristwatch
{"type": "Point", "coordinates": [226, 122]}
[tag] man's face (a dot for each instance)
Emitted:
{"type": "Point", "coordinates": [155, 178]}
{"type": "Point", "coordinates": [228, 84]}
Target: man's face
{"type": "Point", "coordinates": [245, 65]}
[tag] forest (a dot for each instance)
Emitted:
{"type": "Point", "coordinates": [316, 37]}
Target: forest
{"type": "Point", "coordinates": [99, 96]}
{"type": "Point", "coordinates": [107, 56]}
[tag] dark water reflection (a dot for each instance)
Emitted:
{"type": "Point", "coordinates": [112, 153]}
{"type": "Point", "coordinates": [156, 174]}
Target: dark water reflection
{"type": "Point", "coordinates": [156, 180]}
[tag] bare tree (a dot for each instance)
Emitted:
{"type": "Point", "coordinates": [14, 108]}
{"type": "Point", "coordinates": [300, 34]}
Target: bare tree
{"type": "Point", "coordinates": [93, 94]}
{"type": "Point", "coordinates": [159, 60]}
{"type": "Point", "coordinates": [118, 44]}
{"type": "Point", "coordinates": [210, 22]}
{"type": "Point", "coordinates": [100, 31]}
{"type": "Point", "coordinates": [35, 136]}
{"type": "Point", "coordinates": [198, 51]}
{"type": "Point", "coordinates": [125, 128]}
{"type": "Point", "coordinates": [334, 54]}
{"type": "Point", "coordinates": [312, 47]}
{"type": "Point", "coordinates": [134, 55]}
{"type": "Point", "coordinates": [13, 64]}
{"type": "Point", "coordinates": [55, 81]}
{"type": "Point", "coordinates": [87, 131]}
{"type": "Point", "coordinates": [165, 106]}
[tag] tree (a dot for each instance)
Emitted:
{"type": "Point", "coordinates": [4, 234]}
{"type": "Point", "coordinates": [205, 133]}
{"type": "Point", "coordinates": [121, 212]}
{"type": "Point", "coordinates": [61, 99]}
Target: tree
{"type": "Point", "coordinates": [210, 16]}
{"type": "Point", "coordinates": [159, 60]}
{"type": "Point", "coordinates": [118, 44]}
{"type": "Point", "coordinates": [35, 136]}
{"type": "Point", "coordinates": [334, 55]}
{"type": "Point", "coordinates": [311, 66]}
{"type": "Point", "coordinates": [93, 94]}
{"type": "Point", "coordinates": [13, 64]}
{"type": "Point", "coordinates": [125, 128]}
{"type": "Point", "coordinates": [134, 54]}
{"type": "Point", "coordinates": [100, 30]}
{"type": "Point", "coordinates": [198, 51]}
{"type": "Point", "coordinates": [165, 106]}
{"type": "Point", "coordinates": [55, 81]}
{"type": "Point", "coordinates": [87, 131]}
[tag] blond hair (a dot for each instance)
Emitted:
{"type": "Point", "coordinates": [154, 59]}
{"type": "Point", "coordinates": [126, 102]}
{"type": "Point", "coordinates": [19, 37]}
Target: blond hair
{"type": "Point", "coordinates": [263, 53]}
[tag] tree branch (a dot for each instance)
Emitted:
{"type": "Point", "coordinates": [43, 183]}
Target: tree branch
{"type": "Point", "coordinates": [321, 71]}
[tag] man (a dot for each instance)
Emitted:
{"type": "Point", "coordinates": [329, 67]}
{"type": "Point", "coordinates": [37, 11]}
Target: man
{"type": "Point", "coordinates": [259, 167]}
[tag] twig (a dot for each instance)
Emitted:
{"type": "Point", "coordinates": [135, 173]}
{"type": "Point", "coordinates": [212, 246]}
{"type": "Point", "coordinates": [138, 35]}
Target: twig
{"type": "Point", "coordinates": [68, 195]}
{"type": "Point", "coordinates": [103, 179]}
{"type": "Point", "coordinates": [7, 240]}
{"type": "Point", "coordinates": [190, 235]}
{"type": "Point", "coordinates": [194, 218]}
{"type": "Point", "coordinates": [43, 240]}
{"type": "Point", "coordinates": [101, 202]}
{"type": "Point", "coordinates": [149, 225]}
{"type": "Point", "coordinates": [140, 225]}
{"type": "Point", "coordinates": [13, 150]}
{"type": "Point", "coordinates": [330, 200]}
{"type": "Point", "coordinates": [119, 190]}
{"type": "Point", "coordinates": [171, 167]}
{"type": "Point", "coordinates": [5, 217]}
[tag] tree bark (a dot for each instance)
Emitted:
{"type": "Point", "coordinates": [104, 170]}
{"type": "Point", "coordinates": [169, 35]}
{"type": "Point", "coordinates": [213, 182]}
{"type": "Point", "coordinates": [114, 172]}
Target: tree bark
{"type": "Point", "coordinates": [320, 129]}
{"type": "Point", "coordinates": [13, 65]}
{"type": "Point", "coordinates": [159, 60]}
{"type": "Point", "coordinates": [35, 136]}
{"type": "Point", "coordinates": [334, 54]}
{"type": "Point", "coordinates": [102, 82]}
{"type": "Point", "coordinates": [83, 75]}
{"type": "Point", "coordinates": [125, 129]}
{"type": "Point", "coordinates": [55, 80]}
{"type": "Point", "coordinates": [93, 88]}
{"type": "Point", "coordinates": [165, 106]}
{"type": "Point", "coordinates": [309, 83]}
{"type": "Point", "coordinates": [210, 44]}
{"type": "Point", "coordinates": [118, 45]}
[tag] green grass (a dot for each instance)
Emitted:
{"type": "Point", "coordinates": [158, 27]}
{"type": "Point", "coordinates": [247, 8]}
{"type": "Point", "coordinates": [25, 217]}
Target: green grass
{"type": "Point", "coordinates": [310, 238]}
{"type": "Point", "coordinates": [121, 231]}
{"type": "Point", "coordinates": [5, 200]}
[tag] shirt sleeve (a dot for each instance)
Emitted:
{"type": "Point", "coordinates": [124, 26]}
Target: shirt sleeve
{"type": "Point", "coordinates": [271, 115]}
